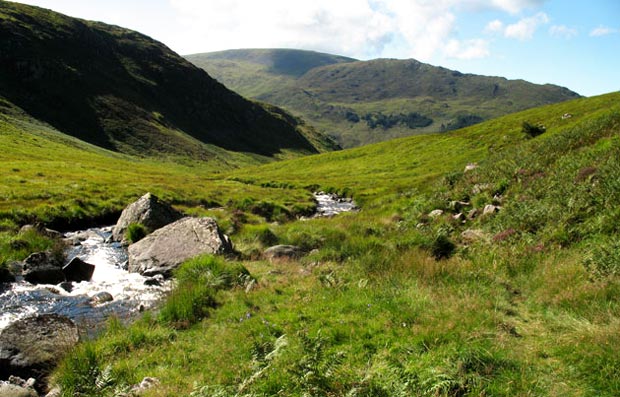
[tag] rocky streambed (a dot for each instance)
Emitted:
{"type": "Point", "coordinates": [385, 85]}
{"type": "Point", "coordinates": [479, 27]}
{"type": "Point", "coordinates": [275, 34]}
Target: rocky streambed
{"type": "Point", "coordinates": [112, 290]}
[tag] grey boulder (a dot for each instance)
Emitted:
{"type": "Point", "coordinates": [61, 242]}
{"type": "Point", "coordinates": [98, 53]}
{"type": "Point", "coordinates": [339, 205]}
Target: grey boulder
{"type": "Point", "coordinates": [283, 252]}
{"type": "Point", "coordinates": [148, 211]}
{"type": "Point", "coordinates": [43, 268]}
{"type": "Point", "coordinates": [31, 346]}
{"type": "Point", "coordinates": [78, 270]}
{"type": "Point", "coordinates": [165, 249]}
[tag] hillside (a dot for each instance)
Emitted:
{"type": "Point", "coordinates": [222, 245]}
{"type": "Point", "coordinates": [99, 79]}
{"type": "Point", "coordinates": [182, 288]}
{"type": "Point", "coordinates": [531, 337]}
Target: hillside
{"type": "Point", "coordinates": [360, 102]}
{"type": "Point", "coordinates": [387, 301]}
{"type": "Point", "coordinates": [123, 91]}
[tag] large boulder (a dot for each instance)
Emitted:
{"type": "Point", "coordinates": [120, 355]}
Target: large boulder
{"type": "Point", "coordinates": [165, 249]}
{"type": "Point", "coordinates": [43, 268]}
{"type": "Point", "coordinates": [30, 347]}
{"type": "Point", "coordinates": [148, 211]}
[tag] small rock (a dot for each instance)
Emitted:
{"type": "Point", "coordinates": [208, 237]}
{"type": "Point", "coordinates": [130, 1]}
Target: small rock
{"type": "Point", "coordinates": [66, 285]}
{"type": "Point", "coordinates": [54, 392]}
{"type": "Point", "coordinates": [77, 270]}
{"type": "Point", "coordinates": [459, 217]}
{"type": "Point", "coordinates": [470, 167]}
{"type": "Point", "coordinates": [283, 252]}
{"type": "Point", "coordinates": [154, 281]}
{"type": "Point", "coordinates": [101, 297]}
{"type": "Point", "coordinates": [6, 276]}
{"type": "Point", "coordinates": [435, 213]}
{"type": "Point", "coordinates": [473, 235]}
{"type": "Point", "coordinates": [11, 390]}
{"type": "Point", "coordinates": [481, 187]}
{"type": "Point", "coordinates": [146, 384]}
{"type": "Point", "coordinates": [490, 209]}
{"type": "Point", "coordinates": [473, 214]}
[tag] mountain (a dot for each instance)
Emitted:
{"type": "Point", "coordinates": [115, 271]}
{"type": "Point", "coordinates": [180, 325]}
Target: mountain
{"type": "Point", "coordinates": [123, 91]}
{"type": "Point", "coordinates": [360, 102]}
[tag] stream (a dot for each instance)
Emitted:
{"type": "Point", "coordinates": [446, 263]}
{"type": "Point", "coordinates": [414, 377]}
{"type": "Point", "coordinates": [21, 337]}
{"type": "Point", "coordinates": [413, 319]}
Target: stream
{"type": "Point", "coordinates": [128, 291]}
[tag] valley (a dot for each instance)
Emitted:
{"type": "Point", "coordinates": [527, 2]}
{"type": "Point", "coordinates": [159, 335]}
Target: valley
{"type": "Point", "coordinates": [477, 261]}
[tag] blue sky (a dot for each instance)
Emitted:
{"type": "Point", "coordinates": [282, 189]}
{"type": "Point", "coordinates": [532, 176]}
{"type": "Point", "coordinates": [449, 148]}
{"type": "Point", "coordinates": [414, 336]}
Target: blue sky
{"type": "Point", "coordinates": [572, 43]}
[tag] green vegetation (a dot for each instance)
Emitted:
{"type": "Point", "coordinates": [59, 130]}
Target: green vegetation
{"type": "Point", "coordinates": [136, 232]}
{"type": "Point", "coordinates": [334, 92]}
{"type": "Point", "coordinates": [389, 300]}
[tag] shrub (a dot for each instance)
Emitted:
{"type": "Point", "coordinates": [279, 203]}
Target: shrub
{"type": "Point", "coordinates": [442, 247]}
{"type": "Point", "coordinates": [135, 232]}
{"type": "Point", "coordinates": [532, 131]}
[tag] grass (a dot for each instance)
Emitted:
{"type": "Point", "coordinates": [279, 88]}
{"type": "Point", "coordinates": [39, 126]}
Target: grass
{"type": "Point", "coordinates": [529, 307]}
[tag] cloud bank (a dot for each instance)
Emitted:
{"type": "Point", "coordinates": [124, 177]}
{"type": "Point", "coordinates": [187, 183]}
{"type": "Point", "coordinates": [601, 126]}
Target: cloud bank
{"type": "Point", "coordinates": [419, 29]}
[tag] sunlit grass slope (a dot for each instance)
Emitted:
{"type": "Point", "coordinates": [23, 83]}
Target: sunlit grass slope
{"type": "Point", "coordinates": [391, 301]}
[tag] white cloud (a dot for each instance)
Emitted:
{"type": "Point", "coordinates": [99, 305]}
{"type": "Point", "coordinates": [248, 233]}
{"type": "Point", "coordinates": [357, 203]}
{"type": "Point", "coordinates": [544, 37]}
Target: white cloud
{"type": "Point", "coordinates": [602, 31]}
{"type": "Point", "coordinates": [563, 31]}
{"type": "Point", "coordinates": [526, 27]}
{"type": "Point", "coordinates": [515, 6]}
{"type": "Point", "coordinates": [469, 49]}
{"type": "Point", "coordinates": [495, 26]}
{"type": "Point", "coordinates": [419, 29]}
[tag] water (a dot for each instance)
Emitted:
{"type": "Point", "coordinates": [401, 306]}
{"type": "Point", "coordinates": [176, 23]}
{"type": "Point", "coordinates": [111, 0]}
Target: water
{"type": "Point", "coordinates": [331, 204]}
{"type": "Point", "coordinates": [130, 294]}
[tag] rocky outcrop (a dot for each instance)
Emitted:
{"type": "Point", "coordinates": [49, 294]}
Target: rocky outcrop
{"type": "Point", "coordinates": [30, 347]}
{"type": "Point", "coordinates": [78, 270]}
{"type": "Point", "coordinates": [148, 211]}
{"type": "Point", "coordinates": [283, 252]}
{"type": "Point", "coordinates": [43, 268]}
{"type": "Point", "coordinates": [165, 249]}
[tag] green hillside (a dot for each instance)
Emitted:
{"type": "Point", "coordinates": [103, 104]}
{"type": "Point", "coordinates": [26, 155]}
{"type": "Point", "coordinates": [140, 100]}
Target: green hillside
{"type": "Point", "coordinates": [389, 300]}
{"type": "Point", "coordinates": [122, 91]}
{"type": "Point", "coordinates": [360, 102]}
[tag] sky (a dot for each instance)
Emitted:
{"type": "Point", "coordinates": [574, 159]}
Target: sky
{"type": "Point", "coordinates": [572, 43]}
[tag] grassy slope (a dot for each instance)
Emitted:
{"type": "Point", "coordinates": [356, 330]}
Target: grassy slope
{"type": "Point", "coordinates": [126, 92]}
{"type": "Point", "coordinates": [334, 88]}
{"type": "Point", "coordinates": [530, 308]}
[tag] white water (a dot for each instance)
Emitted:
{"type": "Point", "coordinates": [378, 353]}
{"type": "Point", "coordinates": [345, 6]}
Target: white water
{"type": "Point", "coordinates": [331, 204]}
{"type": "Point", "coordinates": [130, 294]}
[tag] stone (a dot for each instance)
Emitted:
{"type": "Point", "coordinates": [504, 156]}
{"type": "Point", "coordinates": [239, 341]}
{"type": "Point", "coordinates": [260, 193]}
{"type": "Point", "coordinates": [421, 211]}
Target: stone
{"type": "Point", "coordinates": [11, 390]}
{"type": "Point", "coordinates": [148, 211]}
{"type": "Point", "coordinates": [100, 298]}
{"type": "Point", "coordinates": [66, 285]}
{"type": "Point", "coordinates": [470, 167]}
{"type": "Point", "coordinates": [473, 235]}
{"type": "Point", "coordinates": [42, 268]}
{"type": "Point", "coordinates": [6, 276]}
{"type": "Point", "coordinates": [30, 347]}
{"type": "Point", "coordinates": [165, 249]}
{"type": "Point", "coordinates": [77, 270]}
{"type": "Point", "coordinates": [435, 213]}
{"type": "Point", "coordinates": [40, 229]}
{"type": "Point", "coordinates": [154, 281]}
{"type": "Point", "coordinates": [146, 384]}
{"type": "Point", "coordinates": [490, 209]}
{"type": "Point", "coordinates": [54, 392]}
{"type": "Point", "coordinates": [283, 252]}
{"type": "Point", "coordinates": [473, 213]}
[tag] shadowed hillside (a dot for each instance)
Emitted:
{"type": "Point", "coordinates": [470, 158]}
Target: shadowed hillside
{"type": "Point", "coordinates": [123, 91]}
